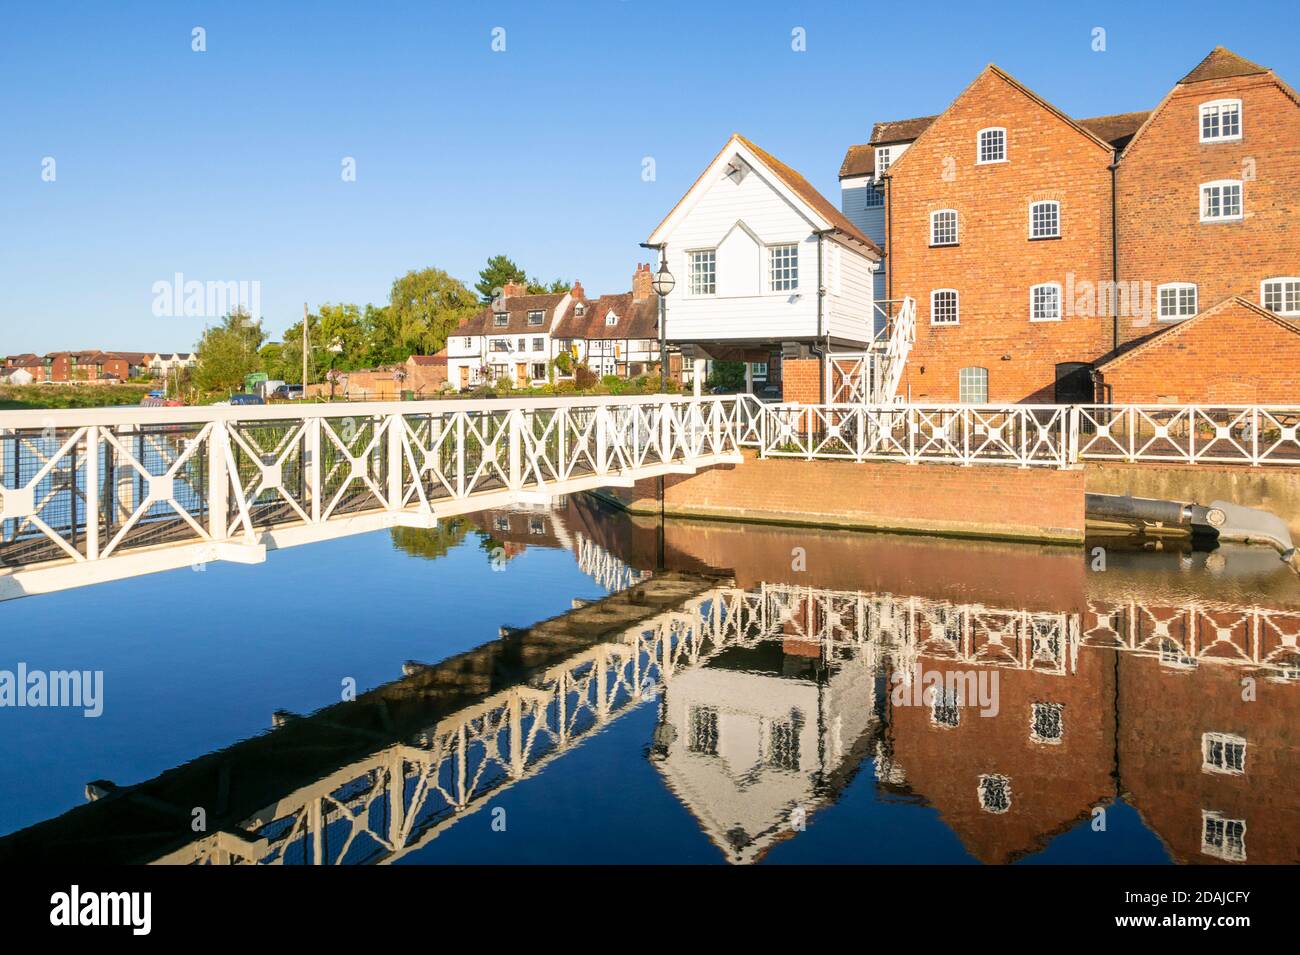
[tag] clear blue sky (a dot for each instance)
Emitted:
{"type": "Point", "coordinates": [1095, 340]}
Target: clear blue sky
{"type": "Point", "coordinates": [225, 165]}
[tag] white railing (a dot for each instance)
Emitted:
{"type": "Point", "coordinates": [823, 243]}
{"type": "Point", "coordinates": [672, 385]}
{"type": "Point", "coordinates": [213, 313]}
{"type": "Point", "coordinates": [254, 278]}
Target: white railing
{"type": "Point", "coordinates": [86, 487]}
{"type": "Point", "coordinates": [1035, 435]}
{"type": "Point", "coordinates": [873, 376]}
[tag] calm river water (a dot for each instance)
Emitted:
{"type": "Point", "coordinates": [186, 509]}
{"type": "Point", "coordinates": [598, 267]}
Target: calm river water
{"type": "Point", "coordinates": [747, 694]}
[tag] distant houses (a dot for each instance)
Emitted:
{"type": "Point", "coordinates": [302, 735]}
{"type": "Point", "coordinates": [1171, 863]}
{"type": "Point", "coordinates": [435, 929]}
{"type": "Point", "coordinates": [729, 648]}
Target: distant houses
{"type": "Point", "coordinates": [91, 366]}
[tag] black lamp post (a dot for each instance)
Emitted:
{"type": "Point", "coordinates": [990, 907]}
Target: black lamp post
{"type": "Point", "coordinates": [663, 283]}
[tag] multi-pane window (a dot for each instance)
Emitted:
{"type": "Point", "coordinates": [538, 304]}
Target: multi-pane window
{"type": "Point", "coordinates": [1045, 220]}
{"type": "Point", "coordinates": [1223, 753]}
{"type": "Point", "coordinates": [611, 318]}
{"type": "Point", "coordinates": [884, 156]}
{"type": "Point", "coordinates": [873, 198]}
{"type": "Point", "coordinates": [539, 344]}
{"type": "Point", "coordinates": [1045, 302]}
{"type": "Point", "coordinates": [973, 386]}
{"type": "Point", "coordinates": [1046, 722]}
{"type": "Point", "coordinates": [522, 343]}
{"type": "Point", "coordinates": [703, 271]}
{"type": "Point", "coordinates": [945, 711]}
{"type": "Point", "coordinates": [1281, 295]}
{"type": "Point", "coordinates": [944, 307]}
{"type": "Point", "coordinates": [993, 145]}
{"type": "Point", "coordinates": [1221, 200]}
{"type": "Point", "coordinates": [782, 746]}
{"type": "Point", "coordinates": [943, 227]}
{"type": "Point", "coordinates": [702, 730]}
{"type": "Point", "coordinates": [1177, 300]}
{"type": "Point", "coordinates": [535, 318]}
{"type": "Point", "coordinates": [995, 793]}
{"type": "Point", "coordinates": [469, 343]}
{"type": "Point", "coordinates": [500, 319]}
{"type": "Point", "coordinates": [1220, 120]}
{"type": "Point", "coordinates": [759, 369]}
{"type": "Point", "coordinates": [1223, 838]}
{"type": "Point", "coordinates": [783, 267]}
{"type": "Point", "coordinates": [500, 344]}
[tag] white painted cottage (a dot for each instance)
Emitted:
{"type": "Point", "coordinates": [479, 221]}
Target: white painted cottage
{"type": "Point", "coordinates": [761, 260]}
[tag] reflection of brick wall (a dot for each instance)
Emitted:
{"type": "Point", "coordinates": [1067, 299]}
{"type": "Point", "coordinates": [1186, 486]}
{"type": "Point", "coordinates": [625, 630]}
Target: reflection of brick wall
{"type": "Point", "coordinates": [801, 380]}
{"type": "Point", "coordinates": [1163, 714]}
{"type": "Point", "coordinates": [1053, 785]}
{"type": "Point", "coordinates": [1032, 503]}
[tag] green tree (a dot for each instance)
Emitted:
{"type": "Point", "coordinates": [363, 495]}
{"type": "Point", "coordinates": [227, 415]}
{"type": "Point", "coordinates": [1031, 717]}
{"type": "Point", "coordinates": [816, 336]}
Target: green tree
{"type": "Point", "coordinates": [500, 271]}
{"type": "Point", "coordinates": [423, 309]}
{"type": "Point", "coordinates": [555, 288]}
{"type": "Point", "coordinates": [727, 374]}
{"type": "Point", "coordinates": [337, 337]}
{"type": "Point", "coordinates": [227, 352]}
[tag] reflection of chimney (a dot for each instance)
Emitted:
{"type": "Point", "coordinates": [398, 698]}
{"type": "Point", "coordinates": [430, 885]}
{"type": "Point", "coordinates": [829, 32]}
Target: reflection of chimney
{"type": "Point", "coordinates": [577, 291]}
{"type": "Point", "coordinates": [512, 289]}
{"type": "Point", "coordinates": [641, 279]}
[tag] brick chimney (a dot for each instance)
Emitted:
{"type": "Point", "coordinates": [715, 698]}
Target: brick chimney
{"type": "Point", "coordinates": [641, 279]}
{"type": "Point", "coordinates": [513, 289]}
{"type": "Point", "coordinates": [578, 293]}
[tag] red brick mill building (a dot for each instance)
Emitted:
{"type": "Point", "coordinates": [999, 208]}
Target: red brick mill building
{"type": "Point", "coordinates": [1139, 257]}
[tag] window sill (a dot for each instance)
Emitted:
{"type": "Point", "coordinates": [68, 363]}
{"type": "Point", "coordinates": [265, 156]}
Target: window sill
{"type": "Point", "coordinates": [1043, 238]}
{"type": "Point", "coordinates": [1173, 318]}
{"type": "Point", "coordinates": [945, 245]}
{"type": "Point", "coordinates": [990, 162]}
{"type": "Point", "coordinates": [1221, 139]}
{"type": "Point", "coordinates": [935, 324]}
{"type": "Point", "coordinates": [1217, 220]}
{"type": "Point", "coordinates": [1043, 321]}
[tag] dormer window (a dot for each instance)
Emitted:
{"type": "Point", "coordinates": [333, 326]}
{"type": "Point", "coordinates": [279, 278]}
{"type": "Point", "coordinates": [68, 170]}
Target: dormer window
{"type": "Point", "coordinates": [580, 310]}
{"type": "Point", "coordinates": [610, 318]}
{"type": "Point", "coordinates": [535, 318]}
{"type": "Point", "coordinates": [992, 145]}
{"type": "Point", "coordinates": [500, 319]}
{"type": "Point", "coordinates": [1221, 121]}
{"type": "Point", "coordinates": [884, 156]}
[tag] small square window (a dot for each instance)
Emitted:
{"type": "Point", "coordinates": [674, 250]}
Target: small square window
{"type": "Point", "coordinates": [944, 307]}
{"type": "Point", "coordinates": [1177, 300]}
{"type": "Point", "coordinates": [1220, 201]}
{"type": "Point", "coordinates": [1045, 303]}
{"type": "Point", "coordinates": [539, 344]}
{"type": "Point", "coordinates": [500, 319]}
{"type": "Point", "coordinates": [873, 198]}
{"type": "Point", "coordinates": [703, 272]}
{"type": "Point", "coordinates": [1281, 295]}
{"type": "Point", "coordinates": [1045, 220]}
{"type": "Point", "coordinates": [884, 156]}
{"type": "Point", "coordinates": [1221, 120]}
{"type": "Point", "coordinates": [783, 267]}
{"type": "Point", "coordinates": [943, 227]}
{"type": "Point", "coordinates": [973, 386]}
{"type": "Point", "coordinates": [536, 317]}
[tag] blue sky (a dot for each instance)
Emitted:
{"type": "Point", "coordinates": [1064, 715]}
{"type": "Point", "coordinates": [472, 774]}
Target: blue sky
{"type": "Point", "coordinates": [225, 165]}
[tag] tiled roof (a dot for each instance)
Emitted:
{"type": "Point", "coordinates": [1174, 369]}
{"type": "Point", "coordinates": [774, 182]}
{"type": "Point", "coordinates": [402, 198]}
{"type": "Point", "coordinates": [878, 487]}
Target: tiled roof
{"type": "Point", "coordinates": [859, 161]}
{"type": "Point", "coordinates": [801, 187]}
{"type": "Point", "coordinates": [1221, 63]}
{"type": "Point", "coordinates": [517, 308]}
{"type": "Point", "coordinates": [900, 130]}
{"type": "Point", "coordinates": [636, 320]}
{"type": "Point", "coordinates": [1117, 129]}
{"type": "Point", "coordinates": [1173, 331]}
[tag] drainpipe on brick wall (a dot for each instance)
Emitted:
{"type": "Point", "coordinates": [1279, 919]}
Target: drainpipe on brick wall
{"type": "Point", "coordinates": [885, 262]}
{"type": "Point", "coordinates": [1114, 261]}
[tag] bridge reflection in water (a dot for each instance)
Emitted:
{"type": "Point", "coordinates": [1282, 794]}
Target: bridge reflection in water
{"type": "Point", "coordinates": [771, 696]}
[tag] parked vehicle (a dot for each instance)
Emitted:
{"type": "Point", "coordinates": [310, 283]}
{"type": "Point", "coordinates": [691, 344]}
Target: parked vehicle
{"type": "Point", "coordinates": [285, 392]}
{"type": "Point", "coordinates": [268, 388]}
{"type": "Point", "coordinates": [243, 399]}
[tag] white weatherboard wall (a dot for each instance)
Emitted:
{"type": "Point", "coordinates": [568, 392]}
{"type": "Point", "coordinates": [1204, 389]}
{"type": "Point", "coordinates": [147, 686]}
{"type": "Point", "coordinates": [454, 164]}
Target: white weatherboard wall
{"type": "Point", "coordinates": [871, 220]}
{"type": "Point", "coordinates": [741, 220]}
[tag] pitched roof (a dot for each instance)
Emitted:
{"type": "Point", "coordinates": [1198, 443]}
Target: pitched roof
{"type": "Point", "coordinates": [793, 181]}
{"type": "Point", "coordinates": [859, 161]}
{"type": "Point", "coordinates": [1118, 128]}
{"type": "Point", "coordinates": [1172, 332]}
{"type": "Point", "coordinates": [1221, 63]}
{"type": "Point", "coordinates": [517, 308]}
{"type": "Point", "coordinates": [804, 190]}
{"type": "Point", "coordinates": [900, 130]}
{"type": "Point", "coordinates": [636, 320]}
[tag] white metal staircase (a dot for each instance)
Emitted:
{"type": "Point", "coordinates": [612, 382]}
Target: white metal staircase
{"type": "Point", "coordinates": [873, 376]}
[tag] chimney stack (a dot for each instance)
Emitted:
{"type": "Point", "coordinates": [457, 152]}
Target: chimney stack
{"type": "Point", "coordinates": [513, 289]}
{"type": "Point", "coordinates": [577, 291]}
{"type": "Point", "coordinates": [641, 283]}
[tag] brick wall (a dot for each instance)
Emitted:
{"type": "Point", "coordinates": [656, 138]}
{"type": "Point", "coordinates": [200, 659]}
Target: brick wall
{"type": "Point", "coordinates": [1161, 237]}
{"type": "Point", "coordinates": [801, 380]}
{"type": "Point", "coordinates": [995, 263]}
{"type": "Point", "coordinates": [1034, 504]}
{"type": "Point", "coordinates": [1232, 353]}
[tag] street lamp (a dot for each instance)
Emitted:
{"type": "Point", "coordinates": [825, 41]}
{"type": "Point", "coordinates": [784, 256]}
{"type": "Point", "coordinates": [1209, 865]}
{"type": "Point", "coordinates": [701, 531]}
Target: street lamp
{"type": "Point", "coordinates": [663, 283]}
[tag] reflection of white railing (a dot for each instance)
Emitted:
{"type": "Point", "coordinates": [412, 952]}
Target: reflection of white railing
{"type": "Point", "coordinates": [153, 488]}
{"type": "Point", "coordinates": [1034, 435]}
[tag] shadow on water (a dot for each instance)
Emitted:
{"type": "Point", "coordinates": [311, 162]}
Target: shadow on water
{"type": "Point", "coordinates": [779, 694]}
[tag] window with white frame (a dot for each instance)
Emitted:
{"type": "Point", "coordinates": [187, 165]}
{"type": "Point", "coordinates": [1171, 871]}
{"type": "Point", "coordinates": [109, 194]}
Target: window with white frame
{"type": "Point", "coordinates": [944, 307]}
{"type": "Point", "coordinates": [1046, 722]}
{"type": "Point", "coordinates": [500, 344]}
{"type": "Point", "coordinates": [703, 271]}
{"type": "Point", "coordinates": [535, 318]}
{"type": "Point", "coordinates": [1045, 220]}
{"type": "Point", "coordinates": [1223, 838]}
{"type": "Point", "coordinates": [1176, 300]}
{"type": "Point", "coordinates": [884, 156]}
{"type": "Point", "coordinates": [973, 385]}
{"type": "Point", "coordinates": [539, 344]}
{"type": "Point", "coordinates": [943, 227]}
{"type": "Point", "coordinates": [995, 793]}
{"type": "Point", "coordinates": [1045, 302]}
{"type": "Point", "coordinates": [759, 369]}
{"type": "Point", "coordinates": [500, 319]}
{"type": "Point", "coordinates": [611, 318]}
{"type": "Point", "coordinates": [873, 198]}
{"type": "Point", "coordinates": [1280, 295]}
{"type": "Point", "coordinates": [1220, 120]}
{"type": "Point", "coordinates": [469, 343]}
{"type": "Point", "coordinates": [1223, 753]}
{"type": "Point", "coordinates": [1221, 200]}
{"type": "Point", "coordinates": [992, 145]}
{"type": "Point", "coordinates": [783, 267]}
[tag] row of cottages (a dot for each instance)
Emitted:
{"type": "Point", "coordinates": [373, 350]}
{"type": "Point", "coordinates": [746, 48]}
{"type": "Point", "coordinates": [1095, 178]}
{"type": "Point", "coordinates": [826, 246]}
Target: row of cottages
{"type": "Point", "coordinates": [77, 366]}
{"type": "Point", "coordinates": [1137, 257]}
{"type": "Point", "coordinates": [520, 338]}
{"type": "Point", "coordinates": [1140, 257]}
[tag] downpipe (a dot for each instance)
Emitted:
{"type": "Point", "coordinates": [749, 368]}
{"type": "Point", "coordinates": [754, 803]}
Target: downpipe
{"type": "Point", "coordinates": [1215, 522]}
